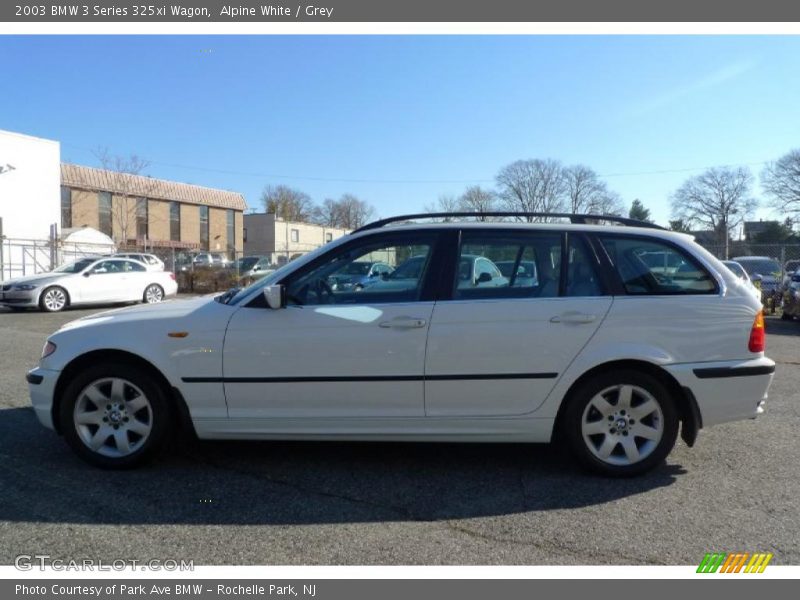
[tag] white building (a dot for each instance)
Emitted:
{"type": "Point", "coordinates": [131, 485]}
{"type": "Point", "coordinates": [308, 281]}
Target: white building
{"type": "Point", "coordinates": [30, 183]}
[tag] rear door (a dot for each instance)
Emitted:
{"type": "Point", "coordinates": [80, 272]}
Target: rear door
{"type": "Point", "coordinates": [498, 350]}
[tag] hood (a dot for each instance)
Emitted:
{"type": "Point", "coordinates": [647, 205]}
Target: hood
{"type": "Point", "coordinates": [39, 279]}
{"type": "Point", "coordinates": [171, 310]}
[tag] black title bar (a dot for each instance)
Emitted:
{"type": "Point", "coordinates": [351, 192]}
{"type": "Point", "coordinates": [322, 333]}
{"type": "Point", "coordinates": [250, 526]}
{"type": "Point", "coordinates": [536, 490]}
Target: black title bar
{"type": "Point", "coordinates": [464, 11]}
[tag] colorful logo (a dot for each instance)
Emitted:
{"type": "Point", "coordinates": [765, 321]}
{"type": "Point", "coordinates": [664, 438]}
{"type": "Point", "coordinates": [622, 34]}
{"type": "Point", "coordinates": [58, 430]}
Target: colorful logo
{"type": "Point", "coordinates": [735, 562]}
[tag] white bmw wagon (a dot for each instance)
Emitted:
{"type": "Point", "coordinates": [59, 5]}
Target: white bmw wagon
{"type": "Point", "coordinates": [611, 339]}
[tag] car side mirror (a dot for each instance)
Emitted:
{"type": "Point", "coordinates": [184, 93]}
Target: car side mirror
{"type": "Point", "coordinates": [87, 273]}
{"type": "Point", "coordinates": [275, 295]}
{"type": "Point", "coordinates": [385, 275]}
{"type": "Point", "coordinates": [757, 277]}
{"type": "Point", "coordinates": [484, 278]}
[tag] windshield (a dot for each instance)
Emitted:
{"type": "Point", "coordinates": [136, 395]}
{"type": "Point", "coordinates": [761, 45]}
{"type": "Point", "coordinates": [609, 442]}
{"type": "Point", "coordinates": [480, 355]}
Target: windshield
{"type": "Point", "coordinates": [247, 263]}
{"type": "Point", "coordinates": [736, 268]}
{"type": "Point", "coordinates": [760, 267]}
{"type": "Point", "coordinates": [75, 267]}
{"type": "Point", "coordinates": [356, 268]}
{"type": "Point", "coordinates": [410, 269]}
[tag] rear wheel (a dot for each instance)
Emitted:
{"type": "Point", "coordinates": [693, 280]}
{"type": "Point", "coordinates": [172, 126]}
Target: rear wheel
{"type": "Point", "coordinates": [114, 415]}
{"type": "Point", "coordinates": [621, 423]}
{"type": "Point", "coordinates": [53, 299]}
{"type": "Point", "coordinates": [153, 294]}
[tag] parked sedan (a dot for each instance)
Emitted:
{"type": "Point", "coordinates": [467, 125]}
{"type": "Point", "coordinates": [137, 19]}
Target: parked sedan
{"type": "Point", "coordinates": [90, 280]}
{"type": "Point", "coordinates": [251, 268]}
{"type": "Point", "coordinates": [359, 274]}
{"type": "Point", "coordinates": [151, 261]}
{"type": "Point", "coordinates": [791, 298]}
{"type": "Point", "coordinates": [764, 269]}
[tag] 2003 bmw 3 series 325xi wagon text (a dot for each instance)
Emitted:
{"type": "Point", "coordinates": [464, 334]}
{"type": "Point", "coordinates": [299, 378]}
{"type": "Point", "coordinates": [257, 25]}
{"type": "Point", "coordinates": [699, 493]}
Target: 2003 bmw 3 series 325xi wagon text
{"type": "Point", "coordinates": [610, 338]}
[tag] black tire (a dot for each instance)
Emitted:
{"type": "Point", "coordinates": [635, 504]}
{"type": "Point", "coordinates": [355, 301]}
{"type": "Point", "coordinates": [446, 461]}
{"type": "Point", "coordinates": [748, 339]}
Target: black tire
{"type": "Point", "coordinates": [159, 416]}
{"type": "Point", "coordinates": [155, 288]}
{"type": "Point", "coordinates": [618, 463]}
{"type": "Point", "coordinates": [55, 290]}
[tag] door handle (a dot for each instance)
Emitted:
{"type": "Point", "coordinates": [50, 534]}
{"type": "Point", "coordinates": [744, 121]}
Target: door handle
{"type": "Point", "coordinates": [403, 323]}
{"type": "Point", "coordinates": [574, 317]}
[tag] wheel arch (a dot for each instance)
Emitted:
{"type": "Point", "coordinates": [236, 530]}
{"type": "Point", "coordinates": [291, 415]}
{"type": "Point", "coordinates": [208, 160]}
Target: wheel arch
{"type": "Point", "coordinates": [52, 285]}
{"type": "Point", "coordinates": [688, 411]}
{"type": "Point", "coordinates": [178, 407]}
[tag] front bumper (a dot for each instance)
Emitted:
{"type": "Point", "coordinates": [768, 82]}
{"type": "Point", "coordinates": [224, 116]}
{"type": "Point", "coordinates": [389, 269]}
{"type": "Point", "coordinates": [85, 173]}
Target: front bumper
{"type": "Point", "coordinates": [41, 386]}
{"type": "Point", "coordinates": [728, 390]}
{"type": "Point", "coordinates": [19, 298]}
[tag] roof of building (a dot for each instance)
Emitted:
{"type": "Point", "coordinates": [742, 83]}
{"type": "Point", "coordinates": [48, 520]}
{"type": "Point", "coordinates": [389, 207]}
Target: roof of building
{"type": "Point", "coordinates": [90, 178]}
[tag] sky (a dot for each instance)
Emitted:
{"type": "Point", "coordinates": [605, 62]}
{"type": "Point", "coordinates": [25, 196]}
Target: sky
{"type": "Point", "coordinates": [401, 120]}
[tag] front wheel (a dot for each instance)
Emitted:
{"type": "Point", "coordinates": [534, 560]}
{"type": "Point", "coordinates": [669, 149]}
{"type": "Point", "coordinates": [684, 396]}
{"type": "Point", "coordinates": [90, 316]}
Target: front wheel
{"type": "Point", "coordinates": [621, 423]}
{"type": "Point", "coordinates": [114, 415]}
{"type": "Point", "coordinates": [153, 294]}
{"type": "Point", "coordinates": [53, 299]}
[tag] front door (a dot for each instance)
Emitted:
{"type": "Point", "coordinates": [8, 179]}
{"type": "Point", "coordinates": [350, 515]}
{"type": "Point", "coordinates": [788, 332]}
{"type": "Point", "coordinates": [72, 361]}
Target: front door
{"type": "Point", "coordinates": [333, 352]}
{"type": "Point", "coordinates": [499, 344]}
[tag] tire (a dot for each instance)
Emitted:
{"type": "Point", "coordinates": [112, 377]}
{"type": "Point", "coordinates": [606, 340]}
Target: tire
{"type": "Point", "coordinates": [131, 421]}
{"type": "Point", "coordinates": [153, 294]}
{"type": "Point", "coordinates": [603, 417]}
{"type": "Point", "coordinates": [54, 299]}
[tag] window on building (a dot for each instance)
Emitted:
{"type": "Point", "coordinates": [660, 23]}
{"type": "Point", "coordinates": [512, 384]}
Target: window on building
{"type": "Point", "coordinates": [328, 237]}
{"type": "Point", "coordinates": [295, 235]}
{"type": "Point", "coordinates": [141, 219]}
{"type": "Point", "coordinates": [204, 227]}
{"type": "Point", "coordinates": [104, 213]}
{"type": "Point", "coordinates": [66, 207]}
{"type": "Point", "coordinates": [174, 221]}
{"type": "Point", "coordinates": [230, 235]}
{"type": "Point", "coordinates": [244, 234]}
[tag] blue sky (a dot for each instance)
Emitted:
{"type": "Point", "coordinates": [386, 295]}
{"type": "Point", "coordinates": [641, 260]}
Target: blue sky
{"type": "Point", "coordinates": [400, 120]}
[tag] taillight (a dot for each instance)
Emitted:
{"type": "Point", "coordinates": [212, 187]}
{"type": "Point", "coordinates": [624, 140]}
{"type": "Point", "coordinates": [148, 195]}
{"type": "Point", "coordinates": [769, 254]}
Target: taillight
{"type": "Point", "coordinates": [172, 275]}
{"type": "Point", "coordinates": [758, 337]}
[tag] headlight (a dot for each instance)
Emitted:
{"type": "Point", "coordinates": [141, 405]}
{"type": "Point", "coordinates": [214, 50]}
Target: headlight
{"type": "Point", "coordinates": [24, 287]}
{"type": "Point", "coordinates": [49, 348]}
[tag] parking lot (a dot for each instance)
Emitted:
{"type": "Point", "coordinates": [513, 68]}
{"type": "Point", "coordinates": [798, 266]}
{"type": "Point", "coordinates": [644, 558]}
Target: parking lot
{"type": "Point", "coordinates": [738, 489]}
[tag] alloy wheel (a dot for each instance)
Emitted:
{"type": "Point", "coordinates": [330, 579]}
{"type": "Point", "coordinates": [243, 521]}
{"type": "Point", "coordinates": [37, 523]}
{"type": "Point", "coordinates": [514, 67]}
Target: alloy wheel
{"type": "Point", "coordinates": [622, 425]}
{"type": "Point", "coordinates": [113, 417]}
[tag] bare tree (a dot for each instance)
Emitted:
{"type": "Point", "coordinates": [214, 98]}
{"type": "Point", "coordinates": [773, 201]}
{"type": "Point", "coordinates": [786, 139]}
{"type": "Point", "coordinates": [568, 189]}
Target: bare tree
{"type": "Point", "coordinates": [718, 199]}
{"type": "Point", "coordinates": [477, 199]}
{"type": "Point", "coordinates": [327, 213]}
{"type": "Point", "coordinates": [348, 212]}
{"type": "Point", "coordinates": [588, 194]}
{"type": "Point", "coordinates": [287, 203]}
{"type": "Point", "coordinates": [781, 182]}
{"type": "Point", "coordinates": [128, 189]}
{"type": "Point", "coordinates": [444, 203]}
{"type": "Point", "coordinates": [354, 212]}
{"type": "Point", "coordinates": [533, 186]}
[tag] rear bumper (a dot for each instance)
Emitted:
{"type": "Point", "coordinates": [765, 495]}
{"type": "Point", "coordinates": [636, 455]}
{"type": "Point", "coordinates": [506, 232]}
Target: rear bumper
{"type": "Point", "coordinates": [729, 390]}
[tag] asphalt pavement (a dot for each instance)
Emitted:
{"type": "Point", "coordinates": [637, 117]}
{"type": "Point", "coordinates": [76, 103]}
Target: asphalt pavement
{"type": "Point", "coordinates": [280, 503]}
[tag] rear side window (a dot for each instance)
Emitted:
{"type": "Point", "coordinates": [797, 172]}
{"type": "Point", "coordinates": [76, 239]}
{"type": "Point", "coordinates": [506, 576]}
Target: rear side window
{"type": "Point", "coordinates": [652, 267]}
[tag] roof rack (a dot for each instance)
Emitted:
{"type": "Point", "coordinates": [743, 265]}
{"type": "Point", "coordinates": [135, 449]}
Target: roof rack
{"type": "Point", "coordinates": [574, 218]}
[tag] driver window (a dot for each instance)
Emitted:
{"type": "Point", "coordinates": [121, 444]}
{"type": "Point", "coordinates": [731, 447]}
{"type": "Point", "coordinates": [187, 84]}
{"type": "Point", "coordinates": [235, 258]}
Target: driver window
{"type": "Point", "coordinates": [353, 276]}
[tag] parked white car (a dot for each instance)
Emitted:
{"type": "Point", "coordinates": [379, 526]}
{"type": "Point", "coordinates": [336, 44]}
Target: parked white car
{"type": "Point", "coordinates": [599, 349]}
{"type": "Point", "coordinates": [93, 280]}
{"type": "Point", "coordinates": [151, 261]}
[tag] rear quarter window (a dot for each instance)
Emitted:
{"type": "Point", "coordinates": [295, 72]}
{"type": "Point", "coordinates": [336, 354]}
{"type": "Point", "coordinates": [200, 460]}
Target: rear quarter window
{"type": "Point", "coordinates": [650, 267]}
